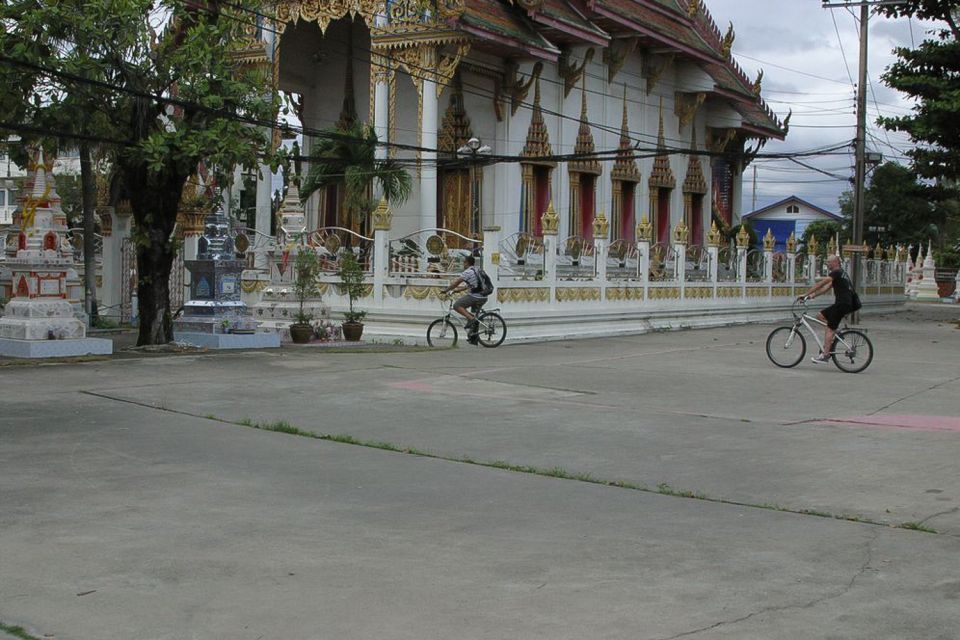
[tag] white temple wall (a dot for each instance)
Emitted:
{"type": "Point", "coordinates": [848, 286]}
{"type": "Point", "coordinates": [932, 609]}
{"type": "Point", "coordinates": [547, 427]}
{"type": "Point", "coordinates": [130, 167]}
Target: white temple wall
{"type": "Point", "coordinates": [406, 217]}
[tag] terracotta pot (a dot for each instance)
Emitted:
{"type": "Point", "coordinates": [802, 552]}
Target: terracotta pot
{"type": "Point", "coordinates": [301, 333]}
{"type": "Point", "coordinates": [352, 331]}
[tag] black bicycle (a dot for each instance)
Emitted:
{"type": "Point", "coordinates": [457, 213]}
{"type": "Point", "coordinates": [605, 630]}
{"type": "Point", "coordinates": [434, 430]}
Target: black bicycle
{"type": "Point", "coordinates": [491, 328]}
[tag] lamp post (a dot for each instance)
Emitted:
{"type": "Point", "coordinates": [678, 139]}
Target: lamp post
{"type": "Point", "coordinates": [473, 149]}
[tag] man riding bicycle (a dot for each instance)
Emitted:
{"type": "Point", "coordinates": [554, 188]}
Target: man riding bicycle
{"type": "Point", "coordinates": [842, 287]}
{"type": "Point", "coordinates": [470, 301]}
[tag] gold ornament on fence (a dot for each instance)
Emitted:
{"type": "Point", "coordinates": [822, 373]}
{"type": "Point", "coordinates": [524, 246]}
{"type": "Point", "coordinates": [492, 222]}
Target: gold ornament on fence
{"type": "Point", "coordinates": [550, 221]}
{"type": "Point", "coordinates": [792, 243]}
{"type": "Point", "coordinates": [714, 236]}
{"type": "Point", "coordinates": [743, 238]}
{"type": "Point", "coordinates": [681, 233]}
{"type": "Point", "coordinates": [832, 247]}
{"type": "Point", "coordinates": [813, 246]}
{"type": "Point", "coordinates": [435, 245]}
{"type": "Point", "coordinates": [769, 242]}
{"type": "Point", "coordinates": [644, 230]}
{"type": "Point", "coordinates": [600, 225]}
{"type": "Point", "coordinates": [892, 253]}
{"type": "Point", "coordinates": [382, 216]}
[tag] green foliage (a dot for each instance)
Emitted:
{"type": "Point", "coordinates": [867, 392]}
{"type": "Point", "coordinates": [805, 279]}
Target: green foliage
{"type": "Point", "coordinates": [348, 157]}
{"type": "Point", "coordinates": [306, 268]}
{"type": "Point", "coordinates": [155, 82]}
{"type": "Point", "coordinates": [823, 230]}
{"type": "Point", "coordinates": [930, 73]}
{"type": "Point", "coordinates": [351, 275]}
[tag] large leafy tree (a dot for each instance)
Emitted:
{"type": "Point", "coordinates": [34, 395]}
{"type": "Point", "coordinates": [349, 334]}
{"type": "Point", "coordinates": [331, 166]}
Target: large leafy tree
{"type": "Point", "coordinates": [930, 73]}
{"type": "Point", "coordinates": [347, 155]}
{"type": "Point", "coordinates": [156, 81]}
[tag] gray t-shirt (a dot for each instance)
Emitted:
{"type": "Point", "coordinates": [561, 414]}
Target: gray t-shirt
{"type": "Point", "coordinates": [470, 276]}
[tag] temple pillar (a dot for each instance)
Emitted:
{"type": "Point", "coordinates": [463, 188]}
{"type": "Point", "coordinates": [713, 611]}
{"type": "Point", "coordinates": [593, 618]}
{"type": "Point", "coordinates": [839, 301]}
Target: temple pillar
{"type": "Point", "coordinates": [429, 95]}
{"type": "Point", "coordinates": [601, 229]}
{"type": "Point", "coordinates": [382, 221]}
{"type": "Point", "coordinates": [643, 233]}
{"type": "Point", "coordinates": [264, 211]}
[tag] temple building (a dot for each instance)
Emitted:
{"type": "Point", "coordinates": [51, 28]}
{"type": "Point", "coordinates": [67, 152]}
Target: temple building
{"type": "Point", "coordinates": [634, 108]}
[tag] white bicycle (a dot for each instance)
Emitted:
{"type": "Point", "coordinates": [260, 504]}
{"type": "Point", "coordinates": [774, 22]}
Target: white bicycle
{"type": "Point", "coordinates": [851, 350]}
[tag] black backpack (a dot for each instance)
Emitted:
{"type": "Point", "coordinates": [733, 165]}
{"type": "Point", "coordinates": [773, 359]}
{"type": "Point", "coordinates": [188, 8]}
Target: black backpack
{"type": "Point", "coordinates": [484, 284]}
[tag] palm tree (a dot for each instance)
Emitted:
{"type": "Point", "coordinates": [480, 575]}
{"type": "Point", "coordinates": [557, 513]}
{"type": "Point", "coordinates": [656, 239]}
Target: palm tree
{"type": "Point", "coordinates": [347, 156]}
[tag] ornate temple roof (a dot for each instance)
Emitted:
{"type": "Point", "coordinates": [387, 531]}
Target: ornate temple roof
{"type": "Point", "coordinates": [625, 167]}
{"type": "Point", "coordinates": [538, 28]}
{"type": "Point", "coordinates": [585, 145]}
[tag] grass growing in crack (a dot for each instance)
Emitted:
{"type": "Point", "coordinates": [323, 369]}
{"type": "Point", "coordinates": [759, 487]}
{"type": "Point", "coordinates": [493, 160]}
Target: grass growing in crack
{"type": "Point", "coordinates": [916, 526]}
{"type": "Point", "coordinates": [17, 632]}
{"type": "Point", "coordinates": [282, 426]}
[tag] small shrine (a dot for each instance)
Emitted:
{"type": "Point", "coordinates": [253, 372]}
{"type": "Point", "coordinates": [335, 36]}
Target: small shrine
{"type": "Point", "coordinates": [215, 316]}
{"type": "Point", "coordinates": [41, 319]}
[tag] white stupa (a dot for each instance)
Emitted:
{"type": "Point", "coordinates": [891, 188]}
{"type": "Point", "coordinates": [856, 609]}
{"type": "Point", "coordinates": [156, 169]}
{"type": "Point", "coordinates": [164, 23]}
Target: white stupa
{"type": "Point", "coordinates": [927, 290]}
{"type": "Point", "coordinates": [39, 320]}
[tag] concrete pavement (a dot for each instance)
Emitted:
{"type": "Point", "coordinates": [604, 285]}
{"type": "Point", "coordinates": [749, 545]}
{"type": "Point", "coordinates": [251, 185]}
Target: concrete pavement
{"type": "Point", "coordinates": [134, 506]}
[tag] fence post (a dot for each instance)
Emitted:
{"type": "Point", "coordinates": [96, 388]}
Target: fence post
{"type": "Point", "coordinates": [491, 253]}
{"type": "Point", "coordinates": [601, 227]}
{"type": "Point", "coordinates": [550, 226]}
{"type": "Point", "coordinates": [769, 242]}
{"type": "Point", "coordinates": [680, 235]}
{"type": "Point", "coordinates": [791, 260]}
{"type": "Point", "coordinates": [713, 251]}
{"type": "Point", "coordinates": [643, 234]}
{"type": "Point", "coordinates": [743, 245]}
{"type": "Point", "coordinates": [382, 221]}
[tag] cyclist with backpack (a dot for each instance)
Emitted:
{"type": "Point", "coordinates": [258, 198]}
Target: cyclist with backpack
{"type": "Point", "coordinates": [478, 287]}
{"type": "Point", "coordinates": [845, 301]}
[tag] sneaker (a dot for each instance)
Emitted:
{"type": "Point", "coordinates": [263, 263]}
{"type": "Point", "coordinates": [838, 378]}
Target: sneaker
{"type": "Point", "coordinates": [473, 339]}
{"type": "Point", "coordinates": [823, 358]}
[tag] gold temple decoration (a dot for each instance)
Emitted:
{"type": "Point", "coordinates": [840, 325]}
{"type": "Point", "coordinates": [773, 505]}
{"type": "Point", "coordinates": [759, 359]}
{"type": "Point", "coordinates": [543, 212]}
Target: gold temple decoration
{"type": "Point", "coordinates": [382, 216]}
{"type": "Point", "coordinates": [714, 236]}
{"type": "Point", "coordinates": [584, 163]}
{"type": "Point", "coordinates": [693, 8]}
{"type": "Point", "coordinates": [515, 87]}
{"type": "Point", "coordinates": [644, 230]}
{"type": "Point", "coordinates": [694, 182]}
{"type": "Point", "coordinates": [570, 71]}
{"type": "Point", "coordinates": [550, 221]}
{"type": "Point", "coordinates": [625, 166]}
{"type": "Point", "coordinates": [743, 238]}
{"type": "Point", "coordinates": [757, 83]}
{"type": "Point", "coordinates": [878, 251]}
{"type": "Point", "coordinates": [727, 43]}
{"type": "Point", "coordinates": [792, 243]}
{"type": "Point", "coordinates": [538, 139]}
{"type": "Point", "coordinates": [662, 175]}
{"type": "Point", "coordinates": [893, 253]}
{"type": "Point", "coordinates": [615, 56]}
{"type": "Point", "coordinates": [832, 247]}
{"type": "Point", "coordinates": [323, 13]}
{"type": "Point", "coordinates": [456, 128]}
{"type": "Point", "coordinates": [719, 139]}
{"type": "Point", "coordinates": [769, 241]}
{"type": "Point", "coordinates": [601, 227]}
{"type": "Point", "coordinates": [686, 105]}
{"type": "Point", "coordinates": [813, 246]}
{"type": "Point", "coordinates": [681, 233]}
{"type": "Point", "coordinates": [652, 74]}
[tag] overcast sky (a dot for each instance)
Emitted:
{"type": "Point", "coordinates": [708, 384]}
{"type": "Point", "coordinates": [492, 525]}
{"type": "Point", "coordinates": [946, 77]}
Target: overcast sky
{"type": "Point", "coordinates": [805, 59]}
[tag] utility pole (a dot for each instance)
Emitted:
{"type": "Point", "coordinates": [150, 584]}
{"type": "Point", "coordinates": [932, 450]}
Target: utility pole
{"type": "Point", "coordinates": [861, 141]}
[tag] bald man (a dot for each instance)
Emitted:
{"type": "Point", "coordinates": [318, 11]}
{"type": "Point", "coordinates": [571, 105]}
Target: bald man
{"type": "Point", "coordinates": [842, 287]}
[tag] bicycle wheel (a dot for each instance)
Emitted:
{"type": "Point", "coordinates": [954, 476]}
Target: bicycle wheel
{"type": "Point", "coordinates": [493, 330]}
{"type": "Point", "coordinates": [786, 347]}
{"type": "Point", "coordinates": [442, 333]}
{"type": "Point", "coordinates": [852, 351]}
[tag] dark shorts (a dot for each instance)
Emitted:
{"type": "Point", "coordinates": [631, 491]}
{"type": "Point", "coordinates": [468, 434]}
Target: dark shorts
{"type": "Point", "coordinates": [470, 300]}
{"type": "Point", "coordinates": [834, 314]}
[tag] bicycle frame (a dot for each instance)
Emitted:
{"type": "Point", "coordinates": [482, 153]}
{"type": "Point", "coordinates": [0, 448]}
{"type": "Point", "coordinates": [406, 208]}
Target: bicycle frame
{"type": "Point", "coordinates": [804, 318]}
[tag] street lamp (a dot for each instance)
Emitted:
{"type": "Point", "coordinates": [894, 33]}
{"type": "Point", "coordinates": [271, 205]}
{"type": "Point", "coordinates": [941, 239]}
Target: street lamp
{"type": "Point", "coordinates": [473, 149]}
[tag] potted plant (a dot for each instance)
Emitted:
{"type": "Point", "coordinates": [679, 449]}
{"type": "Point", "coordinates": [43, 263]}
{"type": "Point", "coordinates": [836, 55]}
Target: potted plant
{"type": "Point", "coordinates": [306, 268]}
{"type": "Point", "coordinates": [351, 277]}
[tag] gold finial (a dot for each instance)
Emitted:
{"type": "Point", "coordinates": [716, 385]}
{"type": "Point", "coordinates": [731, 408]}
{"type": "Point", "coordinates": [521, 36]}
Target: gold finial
{"type": "Point", "coordinates": [792, 243]}
{"type": "Point", "coordinates": [644, 231]}
{"type": "Point", "coordinates": [813, 246]}
{"type": "Point", "coordinates": [600, 225]}
{"type": "Point", "coordinates": [769, 241]}
{"type": "Point", "coordinates": [757, 82]}
{"type": "Point", "coordinates": [681, 233]}
{"type": "Point", "coordinates": [692, 9]}
{"type": "Point", "coordinates": [382, 216]}
{"type": "Point", "coordinates": [727, 44]}
{"type": "Point", "coordinates": [743, 238]}
{"type": "Point", "coordinates": [845, 249]}
{"type": "Point", "coordinates": [878, 251]}
{"type": "Point", "coordinates": [832, 247]}
{"type": "Point", "coordinates": [550, 221]}
{"type": "Point", "coordinates": [893, 253]}
{"type": "Point", "coordinates": [714, 236]}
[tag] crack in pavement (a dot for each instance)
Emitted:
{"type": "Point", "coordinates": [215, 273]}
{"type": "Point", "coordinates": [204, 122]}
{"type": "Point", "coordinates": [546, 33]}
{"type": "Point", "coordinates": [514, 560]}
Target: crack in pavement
{"type": "Point", "coordinates": [938, 514]}
{"type": "Point", "coordinates": [911, 395]}
{"type": "Point", "coordinates": [806, 605]}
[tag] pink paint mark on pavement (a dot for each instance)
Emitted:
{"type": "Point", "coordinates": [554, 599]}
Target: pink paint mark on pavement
{"type": "Point", "coordinates": [912, 423]}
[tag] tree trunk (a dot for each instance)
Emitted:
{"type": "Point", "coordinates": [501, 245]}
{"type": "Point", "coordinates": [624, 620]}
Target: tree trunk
{"type": "Point", "coordinates": [155, 200]}
{"type": "Point", "coordinates": [88, 190]}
